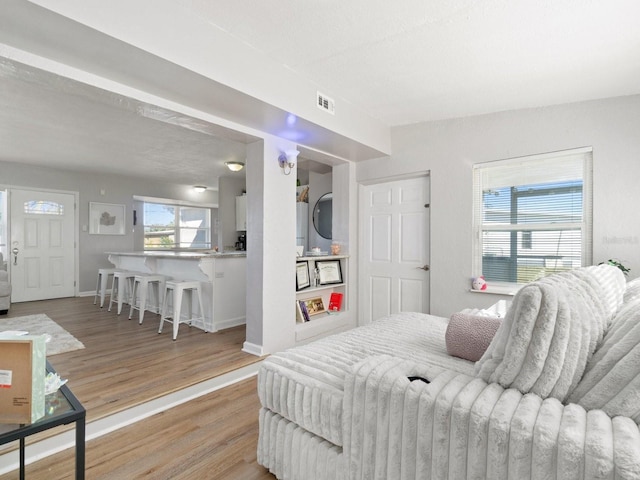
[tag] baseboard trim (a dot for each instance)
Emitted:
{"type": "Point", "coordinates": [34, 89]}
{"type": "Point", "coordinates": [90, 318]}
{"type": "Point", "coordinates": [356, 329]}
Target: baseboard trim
{"type": "Point", "coordinates": [253, 349]}
{"type": "Point", "coordinates": [230, 322]}
{"type": "Point", "coordinates": [92, 293]}
{"type": "Point", "coordinates": [52, 445]}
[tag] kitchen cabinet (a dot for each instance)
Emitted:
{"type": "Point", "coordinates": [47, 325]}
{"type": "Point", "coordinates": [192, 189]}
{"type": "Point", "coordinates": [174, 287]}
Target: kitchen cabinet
{"type": "Point", "coordinates": [241, 213]}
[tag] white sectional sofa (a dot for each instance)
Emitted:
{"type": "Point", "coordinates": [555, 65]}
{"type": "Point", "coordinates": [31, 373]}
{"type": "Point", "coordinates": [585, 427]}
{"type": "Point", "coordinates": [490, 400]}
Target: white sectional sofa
{"type": "Point", "coordinates": [555, 396]}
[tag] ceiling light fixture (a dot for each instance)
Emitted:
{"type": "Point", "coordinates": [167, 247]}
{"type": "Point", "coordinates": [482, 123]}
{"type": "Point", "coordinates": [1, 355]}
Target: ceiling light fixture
{"type": "Point", "coordinates": [199, 188]}
{"type": "Point", "coordinates": [234, 166]}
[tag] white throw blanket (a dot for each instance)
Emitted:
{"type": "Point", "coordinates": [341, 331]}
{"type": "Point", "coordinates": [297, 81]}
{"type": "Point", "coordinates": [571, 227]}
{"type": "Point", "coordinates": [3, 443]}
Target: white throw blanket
{"type": "Point", "coordinates": [460, 427]}
{"type": "Point", "coordinates": [612, 379]}
{"type": "Point", "coordinates": [551, 331]}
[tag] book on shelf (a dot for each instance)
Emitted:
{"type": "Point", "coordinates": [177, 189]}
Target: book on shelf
{"type": "Point", "coordinates": [299, 316]}
{"type": "Point", "coordinates": [335, 302]}
{"type": "Point", "coordinates": [303, 309]}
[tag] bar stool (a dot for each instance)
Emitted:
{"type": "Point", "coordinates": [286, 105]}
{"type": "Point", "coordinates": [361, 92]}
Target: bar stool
{"type": "Point", "coordinates": [101, 284]}
{"type": "Point", "coordinates": [142, 284]}
{"type": "Point", "coordinates": [121, 288]}
{"type": "Point", "coordinates": [174, 290]}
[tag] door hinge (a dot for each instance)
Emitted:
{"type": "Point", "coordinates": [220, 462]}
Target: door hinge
{"type": "Point", "coordinates": [427, 205]}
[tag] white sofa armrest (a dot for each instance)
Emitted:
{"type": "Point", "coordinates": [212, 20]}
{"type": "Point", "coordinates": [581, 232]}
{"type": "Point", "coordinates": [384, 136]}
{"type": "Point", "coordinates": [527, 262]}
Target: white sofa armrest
{"type": "Point", "coordinates": [459, 426]}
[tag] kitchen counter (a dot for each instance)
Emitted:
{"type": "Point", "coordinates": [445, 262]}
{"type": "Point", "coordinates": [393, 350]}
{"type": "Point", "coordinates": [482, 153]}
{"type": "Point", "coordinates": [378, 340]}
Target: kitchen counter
{"type": "Point", "coordinates": [206, 254]}
{"type": "Point", "coordinates": [222, 276]}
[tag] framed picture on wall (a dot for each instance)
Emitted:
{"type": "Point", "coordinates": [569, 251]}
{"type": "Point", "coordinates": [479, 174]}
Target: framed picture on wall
{"type": "Point", "coordinates": [329, 271]}
{"type": "Point", "coordinates": [106, 218]}
{"type": "Point", "coordinates": [302, 275]}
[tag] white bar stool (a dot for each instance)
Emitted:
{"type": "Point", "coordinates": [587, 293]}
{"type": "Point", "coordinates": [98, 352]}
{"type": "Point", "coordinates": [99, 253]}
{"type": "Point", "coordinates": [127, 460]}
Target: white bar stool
{"type": "Point", "coordinates": [144, 283]}
{"type": "Point", "coordinates": [174, 291]}
{"type": "Point", "coordinates": [121, 288]}
{"type": "Point", "coordinates": [101, 284]}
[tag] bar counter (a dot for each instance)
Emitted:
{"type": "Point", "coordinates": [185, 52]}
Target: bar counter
{"type": "Point", "coordinates": [222, 276]}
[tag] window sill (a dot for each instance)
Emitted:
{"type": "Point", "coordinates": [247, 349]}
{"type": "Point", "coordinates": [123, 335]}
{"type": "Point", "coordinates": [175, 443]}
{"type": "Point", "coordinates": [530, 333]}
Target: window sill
{"type": "Point", "coordinates": [499, 290]}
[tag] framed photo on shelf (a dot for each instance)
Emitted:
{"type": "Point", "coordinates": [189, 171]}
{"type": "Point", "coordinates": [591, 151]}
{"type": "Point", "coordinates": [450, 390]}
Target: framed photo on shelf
{"type": "Point", "coordinates": [106, 218]}
{"type": "Point", "coordinates": [314, 306]}
{"type": "Point", "coordinates": [330, 271]}
{"type": "Point", "coordinates": [302, 275]}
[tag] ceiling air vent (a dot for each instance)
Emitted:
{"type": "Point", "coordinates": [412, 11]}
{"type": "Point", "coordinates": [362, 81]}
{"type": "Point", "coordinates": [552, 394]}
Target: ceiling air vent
{"type": "Point", "coordinates": [325, 103]}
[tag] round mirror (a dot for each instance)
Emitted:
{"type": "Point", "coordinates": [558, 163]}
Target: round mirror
{"type": "Point", "coordinates": [323, 215]}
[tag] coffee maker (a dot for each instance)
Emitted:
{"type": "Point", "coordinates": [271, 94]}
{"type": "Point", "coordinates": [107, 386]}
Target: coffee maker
{"type": "Point", "coordinates": [241, 244]}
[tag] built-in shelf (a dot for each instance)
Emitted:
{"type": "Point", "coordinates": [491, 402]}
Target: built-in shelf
{"type": "Point", "coordinates": [321, 321]}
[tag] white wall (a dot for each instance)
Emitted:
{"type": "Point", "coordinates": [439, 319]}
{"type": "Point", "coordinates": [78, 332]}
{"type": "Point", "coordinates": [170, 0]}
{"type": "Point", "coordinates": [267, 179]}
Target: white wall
{"type": "Point", "coordinates": [449, 148]}
{"type": "Point", "coordinates": [271, 252]}
{"type": "Point", "coordinates": [117, 189]}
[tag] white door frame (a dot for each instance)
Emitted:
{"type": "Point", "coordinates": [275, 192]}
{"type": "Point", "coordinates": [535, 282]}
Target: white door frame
{"type": "Point", "coordinates": [361, 226]}
{"type": "Point", "coordinates": [76, 237]}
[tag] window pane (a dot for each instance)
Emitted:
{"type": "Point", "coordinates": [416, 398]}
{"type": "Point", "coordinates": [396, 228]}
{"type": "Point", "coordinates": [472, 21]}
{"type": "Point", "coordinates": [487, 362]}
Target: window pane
{"type": "Point", "coordinates": [532, 215]}
{"type": "Point", "coordinates": [547, 251]}
{"type": "Point", "coordinates": [159, 215]}
{"type": "Point", "coordinates": [194, 231]}
{"type": "Point", "coordinates": [194, 217]}
{"type": "Point", "coordinates": [527, 204]}
{"type": "Point", "coordinates": [159, 226]}
{"type": "Point", "coordinates": [161, 232]}
{"type": "Point", "coordinates": [43, 207]}
{"type": "Point", "coordinates": [194, 238]}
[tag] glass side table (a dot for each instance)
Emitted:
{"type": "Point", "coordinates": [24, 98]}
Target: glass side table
{"type": "Point", "coordinates": [61, 408]}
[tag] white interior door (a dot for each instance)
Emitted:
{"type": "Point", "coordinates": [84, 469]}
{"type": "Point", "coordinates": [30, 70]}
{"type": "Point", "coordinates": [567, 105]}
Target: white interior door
{"type": "Point", "coordinates": [42, 248]}
{"type": "Point", "coordinates": [395, 232]}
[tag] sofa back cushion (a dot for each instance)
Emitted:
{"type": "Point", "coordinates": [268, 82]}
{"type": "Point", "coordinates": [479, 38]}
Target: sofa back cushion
{"type": "Point", "coordinates": [611, 381]}
{"type": "Point", "coordinates": [551, 331]}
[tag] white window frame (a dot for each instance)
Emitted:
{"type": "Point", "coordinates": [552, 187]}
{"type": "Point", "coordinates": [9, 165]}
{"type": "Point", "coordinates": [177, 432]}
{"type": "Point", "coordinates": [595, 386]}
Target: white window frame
{"type": "Point", "coordinates": [587, 210]}
{"type": "Point", "coordinates": [177, 204]}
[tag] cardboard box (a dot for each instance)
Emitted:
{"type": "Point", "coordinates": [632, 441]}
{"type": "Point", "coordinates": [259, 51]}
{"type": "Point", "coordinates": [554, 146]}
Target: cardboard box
{"type": "Point", "coordinates": [22, 377]}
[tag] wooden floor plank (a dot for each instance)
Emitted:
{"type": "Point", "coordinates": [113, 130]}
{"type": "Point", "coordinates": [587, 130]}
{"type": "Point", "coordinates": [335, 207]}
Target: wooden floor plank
{"type": "Point", "coordinates": [211, 437]}
{"type": "Point", "coordinates": [125, 364]}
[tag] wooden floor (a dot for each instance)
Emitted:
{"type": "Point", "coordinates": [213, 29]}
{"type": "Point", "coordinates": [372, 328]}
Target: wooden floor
{"type": "Point", "coordinates": [212, 437]}
{"type": "Point", "coordinates": [125, 364]}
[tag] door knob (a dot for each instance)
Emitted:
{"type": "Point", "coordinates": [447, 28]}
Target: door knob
{"type": "Point", "coordinates": [424, 267]}
{"type": "Point", "coordinates": [15, 251]}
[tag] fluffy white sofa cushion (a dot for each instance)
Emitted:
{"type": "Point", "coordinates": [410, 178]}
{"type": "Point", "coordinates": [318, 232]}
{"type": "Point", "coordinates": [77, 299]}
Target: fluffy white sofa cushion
{"type": "Point", "coordinates": [632, 290]}
{"type": "Point", "coordinates": [551, 331]}
{"type": "Point", "coordinates": [612, 378]}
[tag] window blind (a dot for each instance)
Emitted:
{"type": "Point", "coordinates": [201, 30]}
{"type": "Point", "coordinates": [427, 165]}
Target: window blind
{"type": "Point", "coordinates": [532, 215]}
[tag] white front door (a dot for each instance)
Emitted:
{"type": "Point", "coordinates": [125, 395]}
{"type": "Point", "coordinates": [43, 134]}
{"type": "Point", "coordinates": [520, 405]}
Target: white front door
{"type": "Point", "coordinates": [395, 233]}
{"type": "Point", "coordinates": [42, 247]}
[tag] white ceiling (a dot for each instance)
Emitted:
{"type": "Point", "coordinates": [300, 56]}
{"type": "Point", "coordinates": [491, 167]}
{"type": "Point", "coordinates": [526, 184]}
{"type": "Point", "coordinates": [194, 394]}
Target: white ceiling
{"type": "Point", "coordinates": [416, 60]}
{"type": "Point", "coordinates": [52, 121]}
{"type": "Point", "coordinates": [401, 62]}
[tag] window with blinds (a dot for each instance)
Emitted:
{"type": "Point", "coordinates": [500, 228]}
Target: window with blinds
{"type": "Point", "coordinates": [532, 216]}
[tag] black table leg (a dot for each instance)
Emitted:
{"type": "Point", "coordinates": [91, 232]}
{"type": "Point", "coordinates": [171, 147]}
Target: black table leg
{"type": "Point", "coordinates": [80, 448]}
{"type": "Point", "coordinates": [22, 447]}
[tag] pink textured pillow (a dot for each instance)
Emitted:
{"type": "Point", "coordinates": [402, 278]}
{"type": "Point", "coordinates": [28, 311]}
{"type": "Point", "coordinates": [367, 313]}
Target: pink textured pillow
{"type": "Point", "coordinates": [468, 336]}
